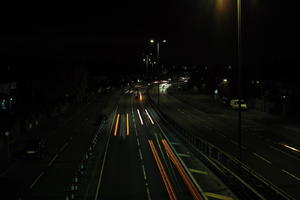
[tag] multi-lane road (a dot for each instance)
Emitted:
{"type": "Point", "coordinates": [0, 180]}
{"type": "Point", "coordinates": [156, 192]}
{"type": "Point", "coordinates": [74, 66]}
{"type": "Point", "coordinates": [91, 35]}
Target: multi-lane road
{"type": "Point", "coordinates": [138, 155]}
{"type": "Point", "coordinates": [263, 153]}
{"type": "Point", "coordinates": [143, 160]}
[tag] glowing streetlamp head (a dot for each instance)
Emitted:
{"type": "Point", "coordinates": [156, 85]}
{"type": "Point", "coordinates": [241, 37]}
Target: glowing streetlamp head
{"type": "Point", "coordinates": [151, 41]}
{"type": "Point", "coordinates": [164, 41]}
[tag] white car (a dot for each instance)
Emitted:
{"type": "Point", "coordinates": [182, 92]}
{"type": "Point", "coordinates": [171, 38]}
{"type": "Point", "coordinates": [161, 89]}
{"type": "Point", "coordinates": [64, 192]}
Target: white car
{"type": "Point", "coordinates": [234, 103]}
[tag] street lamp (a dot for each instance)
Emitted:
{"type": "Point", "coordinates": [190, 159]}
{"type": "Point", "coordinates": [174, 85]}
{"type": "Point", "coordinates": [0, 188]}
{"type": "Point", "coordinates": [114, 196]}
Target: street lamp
{"type": "Point", "coordinates": [152, 41]}
{"type": "Point", "coordinates": [239, 45]}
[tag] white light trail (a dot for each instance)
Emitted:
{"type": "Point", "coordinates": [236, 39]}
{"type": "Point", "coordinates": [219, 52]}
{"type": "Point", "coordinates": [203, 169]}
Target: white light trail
{"type": "Point", "coordinates": [138, 111]}
{"type": "Point", "coordinates": [149, 116]}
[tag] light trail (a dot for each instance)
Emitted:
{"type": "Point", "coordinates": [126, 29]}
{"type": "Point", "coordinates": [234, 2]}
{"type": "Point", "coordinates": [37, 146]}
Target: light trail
{"type": "Point", "coordinates": [127, 125]}
{"type": "Point", "coordinates": [162, 171]}
{"type": "Point", "coordinates": [138, 111]}
{"type": "Point", "coordinates": [192, 188]}
{"type": "Point", "coordinates": [292, 148]}
{"type": "Point", "coordinates": [117, 124]}
{"type": "Point", "coordinates": [149, 116]}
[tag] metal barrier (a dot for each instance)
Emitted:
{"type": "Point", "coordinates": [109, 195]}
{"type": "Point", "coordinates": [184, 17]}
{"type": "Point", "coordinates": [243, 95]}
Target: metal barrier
{"type": "Point", "coordinates": [73, 187]}
{"type": "Point", "coordinates": [246, 183]}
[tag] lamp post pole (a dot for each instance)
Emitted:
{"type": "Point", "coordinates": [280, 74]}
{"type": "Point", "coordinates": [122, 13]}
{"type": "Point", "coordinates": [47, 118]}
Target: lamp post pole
{"type": "Point", "coordinates": [239, 45]}
{"type": "Point", "coordinates": [158, 70]}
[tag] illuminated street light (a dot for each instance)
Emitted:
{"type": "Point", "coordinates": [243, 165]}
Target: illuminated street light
{"type": "Point", "coordinates": [158, 64]}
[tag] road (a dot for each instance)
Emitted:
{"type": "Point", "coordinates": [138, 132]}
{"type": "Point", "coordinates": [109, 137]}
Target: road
{"type": "Point", "coordinates": [67, 140]}
{"type": "Point", "coordinates": [219, 126]}
{"type": "Point", "coordinates": [136, 157]}
{"type": "Point", "coordinates": [144, 160]}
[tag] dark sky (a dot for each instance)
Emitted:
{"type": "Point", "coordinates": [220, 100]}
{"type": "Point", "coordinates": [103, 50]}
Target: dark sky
{"type": "Point", "coordinates": [100, 34]}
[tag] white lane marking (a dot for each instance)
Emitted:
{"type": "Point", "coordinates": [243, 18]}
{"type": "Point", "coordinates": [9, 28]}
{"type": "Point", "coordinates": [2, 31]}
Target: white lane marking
{"type": "Point", "coordinates": [262, 158]}
{"type": "Point", "coordinates": [140, 152]}
{"type": "Point", "coordinates": [287, 154]}
{"type": "Point", "coordinates": [184, 155]}
{"type": "Point", "coordinates": [36, 180]}
{"type": "Point", "coordinates": [138, 142]}
{"type": "Point", "coordinates": [138, 111]}
{"type": "Point", "coordinates": [144, 173]}
{"type": "Point", "coordinates": [198, 171]}
{"type": "Point", "coordinates": [104, 159]}
{"type": "Point", "coordinates": [53, 159]}
{"type": "Point", "coordinates": [290, 174]}
{"type": "Point", "coordinates": [237, 144]}
{"type": "Point", "coordinates": [64, 146]}
{"type": "Point", "coordinates": [148, 193]}
{"type": "Point", "coordinates": [234, 142]}
{"type": "Point", "coordinates": [185, 167]}
{"type": "Point", "coordinates": [133, 119]}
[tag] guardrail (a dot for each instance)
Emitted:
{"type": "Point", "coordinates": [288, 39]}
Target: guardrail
{"type": "Point", "coordinates": [73, 187]}
{"type": "Point", "coordinates": [245, 182]}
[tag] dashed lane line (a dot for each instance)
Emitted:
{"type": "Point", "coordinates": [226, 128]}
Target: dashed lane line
{"type": "Point", "coordinates": [198, 171]}
{"type": "Point", "coordinates": [262, 158]}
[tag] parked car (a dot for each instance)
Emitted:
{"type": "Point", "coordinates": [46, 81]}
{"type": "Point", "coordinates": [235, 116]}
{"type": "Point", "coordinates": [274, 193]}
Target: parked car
{"type": "Point", "coordinates": [234, 103]}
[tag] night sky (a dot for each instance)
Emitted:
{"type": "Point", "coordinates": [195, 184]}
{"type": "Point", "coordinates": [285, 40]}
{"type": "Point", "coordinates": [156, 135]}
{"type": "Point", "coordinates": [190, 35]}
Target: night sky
{"type": "Point", "coordinates": [114, 36]}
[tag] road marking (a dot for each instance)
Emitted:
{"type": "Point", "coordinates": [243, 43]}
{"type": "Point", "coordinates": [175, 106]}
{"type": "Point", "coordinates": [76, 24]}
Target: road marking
{"type": "Point", "coordinates": [189, 183]}
{"type": "Point", "coordinates": [162, 171]}
{"type": "Point", "coordinates": [144, 173]}
{"type": "Point", "coordinates": [262, 158]}
{"type": "Point", "coordinates": [64, 146]}
{"type": "Point", "coordinates": [138, 142]}
{"type": "Point", "coordinates": [287, 154]}
{"type": "Point", "coordinates": [198, 171]}
{"type": "Point", "coordinates": [290, 174]}
{"type": "Point", "coordinates": [104, 159]}
{"type": "Point", "coordinates": [148, 193]}
{"type": "Point", "coordinates": [218, 196]}
{"type": "Point", "coordinates": [234, 142]}
{"type": "Point", "coordinates": [175, 143]}
{"type": "Point", "coordinates": [140, 152]}
{"type": "Point", "coordinates": [133, 119]}
{"type": "Point", "coordinates": [191, 176]}
{"type": "Point", "coordinates": [36, 180]}
{"type": "Point", "coordinates": [184, 155]}
{"type": "Point", "coordinates": [53, 159]}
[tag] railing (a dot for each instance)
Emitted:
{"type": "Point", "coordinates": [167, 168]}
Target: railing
{"type": "Point", "coordinates": [73, 187]}
{"type": "Point", "coordinates": [245, 182]}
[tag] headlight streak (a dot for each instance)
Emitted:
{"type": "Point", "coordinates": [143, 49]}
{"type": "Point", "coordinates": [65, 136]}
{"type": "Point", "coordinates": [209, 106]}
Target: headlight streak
{"type": "Point", "coordinates": [138, 111]}
{"type": "Point", "coordinates": [149, 116]}
{"type": "Point", "coordinates": [117, 124]}
{"type": "Point", "coordinates": [127, 125]}
{"type": "Point", "coordinates": [162, 171]}
{"type": "Point", "coordinates": [192, 188]}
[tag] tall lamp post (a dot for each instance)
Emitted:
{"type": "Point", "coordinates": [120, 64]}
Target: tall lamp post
{"type": "Point", "coordinates": [239, 57]}
{"type": "Point", "coordinates": [152, 41]}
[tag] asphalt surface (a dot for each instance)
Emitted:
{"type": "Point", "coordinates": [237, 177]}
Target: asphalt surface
{"type": "Point", "coordinates": [135, 163]}
{"type": "Point", "coordinates": [67, 140]}
{"type": "Point", "coordinates": [262, 150]}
